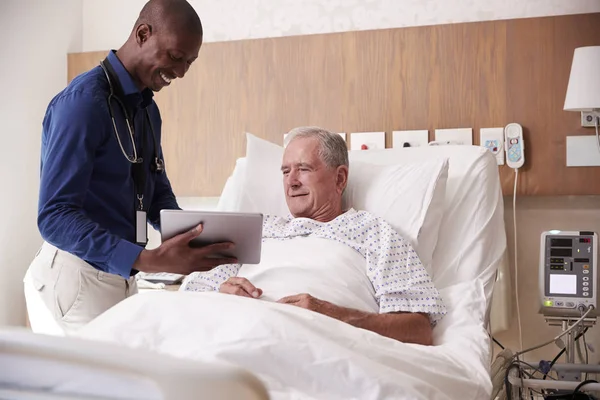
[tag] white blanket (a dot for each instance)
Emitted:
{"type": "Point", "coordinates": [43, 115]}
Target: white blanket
{"type": "Point", "coordinates": [326, 269]}
{"type": "Point", "coordinates": [300, 354]}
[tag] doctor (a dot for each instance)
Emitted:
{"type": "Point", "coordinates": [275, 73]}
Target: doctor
{"type": "Point", "coordinates": [103, 176]}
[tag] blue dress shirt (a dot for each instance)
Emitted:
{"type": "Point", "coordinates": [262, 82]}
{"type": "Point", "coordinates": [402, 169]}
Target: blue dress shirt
{"type": "Point", "coordinates": [87, 197]}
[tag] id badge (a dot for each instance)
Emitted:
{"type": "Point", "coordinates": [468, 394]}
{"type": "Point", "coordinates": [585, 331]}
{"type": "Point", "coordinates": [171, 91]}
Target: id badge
{"type": "Point", "coordinates": [141, 228]}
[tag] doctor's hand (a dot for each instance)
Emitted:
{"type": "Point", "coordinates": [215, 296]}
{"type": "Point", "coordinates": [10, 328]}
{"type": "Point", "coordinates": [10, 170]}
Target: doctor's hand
{"type": "Point", "coordinates": [176, 256]}
{"type": "Point", "coordinates": [240, 287]}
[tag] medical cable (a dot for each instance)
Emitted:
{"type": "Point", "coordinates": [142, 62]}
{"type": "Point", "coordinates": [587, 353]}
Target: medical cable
{"type": "Point", "coordinates": [498, 343]}
{"type": "Point", "coordinates": [560, 353]}
{"type": "Point", "coordinates": [507, 386]}
{"type": "Point", "coordinates": [516, 264]}
{"type": "Point", "coordinates": [580, 320]}
{"type": "Point", "coordinates": [517, 363]}
{"type": "Point", "coordinates": [597, 137]}
{"type": "Point", "coordinates": [582, 384]}
{"type": "Point", "coordinates": [586, 352]}
{"type": "Point", "coordinates": [579, 352]}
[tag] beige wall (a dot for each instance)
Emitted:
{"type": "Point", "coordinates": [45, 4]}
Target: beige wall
{"type": "Point", "coordinates": [535, 215]}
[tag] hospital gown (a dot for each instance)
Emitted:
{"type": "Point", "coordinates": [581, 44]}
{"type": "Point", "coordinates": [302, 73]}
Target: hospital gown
{"type": "Point", "coordinates": [400, 282]}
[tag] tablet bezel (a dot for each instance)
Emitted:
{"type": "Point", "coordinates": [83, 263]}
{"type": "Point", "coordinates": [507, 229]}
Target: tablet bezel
{"type": "Point", "coordinates": [243, 229]}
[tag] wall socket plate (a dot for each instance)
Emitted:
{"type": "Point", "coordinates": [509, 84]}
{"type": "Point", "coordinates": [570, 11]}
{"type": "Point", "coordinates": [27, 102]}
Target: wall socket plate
{"type": "Point", "coordinates": [415, 138]}
{"type": "Point", "coordinates": [493, 140]}
{"type": "Point", "coordinates": [461, 136]}
{"type": "Point", "coordinates": [587, 119]}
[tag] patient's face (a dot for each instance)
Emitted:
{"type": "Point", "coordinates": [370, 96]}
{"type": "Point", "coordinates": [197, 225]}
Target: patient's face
{"type": "Point", "coordinates": [312, 189]}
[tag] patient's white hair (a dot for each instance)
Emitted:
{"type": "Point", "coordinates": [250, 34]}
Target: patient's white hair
{"type": "Point", "coordinates": [332, 148]}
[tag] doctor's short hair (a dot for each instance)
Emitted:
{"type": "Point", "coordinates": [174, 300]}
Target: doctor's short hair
{"type": "Point", "coordinates": [332, 148]}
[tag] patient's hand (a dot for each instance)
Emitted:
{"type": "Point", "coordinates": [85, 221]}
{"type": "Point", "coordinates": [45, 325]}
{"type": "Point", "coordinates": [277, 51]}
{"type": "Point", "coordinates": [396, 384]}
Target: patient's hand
{"type": "Point", "coordinates": [402, 326]}
{"type": "Point", "coordinates": [305, 300]}
{"type": "Point", "coordinates": [240, 287]}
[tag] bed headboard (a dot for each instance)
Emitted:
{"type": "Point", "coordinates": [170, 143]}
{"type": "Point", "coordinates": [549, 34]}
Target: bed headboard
{"type": "Point", "coordinates": [474, 75]}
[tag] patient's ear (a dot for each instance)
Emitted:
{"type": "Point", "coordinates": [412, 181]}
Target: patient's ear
{"type": "Point", "coordinates": [342, 178]}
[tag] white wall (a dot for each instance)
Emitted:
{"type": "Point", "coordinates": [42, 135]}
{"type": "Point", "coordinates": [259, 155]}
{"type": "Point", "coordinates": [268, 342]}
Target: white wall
{"type": "Point", "coordinates": [103, 28]}
{"type": "Point", "coordinates": [36, 36]}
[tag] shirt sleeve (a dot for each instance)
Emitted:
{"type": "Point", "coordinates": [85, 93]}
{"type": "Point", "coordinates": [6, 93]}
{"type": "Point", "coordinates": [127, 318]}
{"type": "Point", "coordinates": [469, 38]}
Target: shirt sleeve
{"type": "Point", "coordinates": [400, 281]}
{"type": "Point", "coordinates": [72, 134]}
{"type": "Point", "coordinates": [210, 281]}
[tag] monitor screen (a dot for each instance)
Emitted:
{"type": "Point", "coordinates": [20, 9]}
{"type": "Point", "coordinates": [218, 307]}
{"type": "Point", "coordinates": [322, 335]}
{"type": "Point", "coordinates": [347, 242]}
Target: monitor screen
{"type": "Point", "coordinates": [560, 252]}
{"type": "Point", "coordinates": [563, 284]}
{"type": "Point", "coordinates": [558, 242]}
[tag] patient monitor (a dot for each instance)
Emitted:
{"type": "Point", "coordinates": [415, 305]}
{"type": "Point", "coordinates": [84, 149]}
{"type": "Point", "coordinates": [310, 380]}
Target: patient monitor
{"type": "Point", "coordinates": [568, 273]}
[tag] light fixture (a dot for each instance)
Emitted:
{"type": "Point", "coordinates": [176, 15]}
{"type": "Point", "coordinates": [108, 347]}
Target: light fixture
{"type": "Point", "coordinates": [583, 92]}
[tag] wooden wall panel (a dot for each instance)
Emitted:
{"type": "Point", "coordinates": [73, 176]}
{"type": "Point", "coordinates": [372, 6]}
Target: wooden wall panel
{"type": "Point", "coordinates": [447, 76]}
{"type": "Point", "coordinates": [80, 62]}
{"type": "Point", "coordinates": [539, 55]}
{"type": "Point", "coordinates": [484, 74]}
{"type": "Point", "coordinates": [241, 87]}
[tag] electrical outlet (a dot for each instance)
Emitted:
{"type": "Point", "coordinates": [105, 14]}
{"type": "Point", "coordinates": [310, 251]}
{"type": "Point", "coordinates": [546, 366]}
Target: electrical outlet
{"type": "Point", "coordinates": [367, 140]}
{"type": "Point", "coordinates": [415, 138]}
{"type": "Point", "coordinates": [493, 140]}
{"type": "Point", "coordinates": [462, 136]}
{"type": "Point", "coordinates": [587, 119]}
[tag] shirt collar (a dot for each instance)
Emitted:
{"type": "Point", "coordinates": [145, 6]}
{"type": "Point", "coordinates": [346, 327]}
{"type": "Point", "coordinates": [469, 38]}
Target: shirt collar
{"type": "Point", "coordinates": [129, 89]}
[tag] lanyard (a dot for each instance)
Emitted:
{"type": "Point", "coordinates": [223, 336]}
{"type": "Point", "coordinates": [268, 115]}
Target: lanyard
{"type": "Point", "coordinates": [139, 175]}
{"type": "Point", "coordinates": [138, 172]}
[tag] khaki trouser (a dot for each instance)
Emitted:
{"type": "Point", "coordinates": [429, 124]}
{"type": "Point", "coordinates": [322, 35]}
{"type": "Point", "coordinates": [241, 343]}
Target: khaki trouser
{"type": "Point", "coordinates": [73, 291]}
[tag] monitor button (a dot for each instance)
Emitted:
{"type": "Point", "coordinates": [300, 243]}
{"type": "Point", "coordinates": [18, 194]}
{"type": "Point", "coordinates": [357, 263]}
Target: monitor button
{"type": "Point", "coordinates": [586, 284]}
{"type": "Point", "coordinates": [586, 278]}
{"type": "Point", "coordinates": [586, 271]}
{"type": "Point", "coordinates": [570, 304]}
{"type": "Point", "coordinates": [559, 304]}
{"type": "Point", "coordinates": [586, 294]}
{"type": "Point", "coordinates": [585, 289]}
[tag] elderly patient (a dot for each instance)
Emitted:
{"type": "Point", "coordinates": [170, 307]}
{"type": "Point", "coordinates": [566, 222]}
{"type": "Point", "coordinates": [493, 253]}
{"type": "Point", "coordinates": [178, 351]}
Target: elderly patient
{"type": "Point", "coordinates": [346, 264]}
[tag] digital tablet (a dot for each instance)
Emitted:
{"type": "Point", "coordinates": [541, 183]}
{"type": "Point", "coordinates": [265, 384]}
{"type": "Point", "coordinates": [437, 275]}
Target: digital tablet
{"type": "Point", "coordinates": [242, 229]}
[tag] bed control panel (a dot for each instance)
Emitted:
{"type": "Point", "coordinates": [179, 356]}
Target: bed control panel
{"type": "Point", "coordinates": [568, 272]}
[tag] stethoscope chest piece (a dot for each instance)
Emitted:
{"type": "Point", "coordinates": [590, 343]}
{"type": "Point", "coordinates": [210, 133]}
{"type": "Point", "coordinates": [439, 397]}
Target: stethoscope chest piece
{"type": "Point", "coordinates": [158, 165]}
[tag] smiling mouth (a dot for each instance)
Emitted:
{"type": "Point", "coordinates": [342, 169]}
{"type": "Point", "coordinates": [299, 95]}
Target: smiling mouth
{"type": "Point", "coordinates": [165, 78]}
{"type": "Point", "coordinates": [299, 195]}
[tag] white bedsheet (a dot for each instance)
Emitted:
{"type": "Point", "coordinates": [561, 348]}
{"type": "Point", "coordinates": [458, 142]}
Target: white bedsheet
{"type": "Point", "coordinates": [300, 354]}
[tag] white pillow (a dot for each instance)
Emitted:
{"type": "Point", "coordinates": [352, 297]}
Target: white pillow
{"type": "Point", "coordinates": [263, 185]}
{"type": "Point", "coordinates": [232, 197]}
{"type": "Point", "coordinates": [408, 196]}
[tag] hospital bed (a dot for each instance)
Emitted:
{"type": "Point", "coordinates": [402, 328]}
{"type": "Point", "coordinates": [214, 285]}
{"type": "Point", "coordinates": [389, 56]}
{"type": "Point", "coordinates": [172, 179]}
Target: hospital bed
{"type": "Point", "coordinates": [47, 367]}
{"type": "Point", "coordinates": [298, 354]}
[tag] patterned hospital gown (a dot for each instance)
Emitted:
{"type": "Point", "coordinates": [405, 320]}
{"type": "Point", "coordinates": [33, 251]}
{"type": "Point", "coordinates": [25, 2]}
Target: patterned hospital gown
{"type": "Point", "coordinates": [400, 281]}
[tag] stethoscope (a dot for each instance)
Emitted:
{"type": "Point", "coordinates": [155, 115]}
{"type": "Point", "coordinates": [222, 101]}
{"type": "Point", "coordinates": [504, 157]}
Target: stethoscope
{"type": "Point", "coordinates": [158, 165]}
